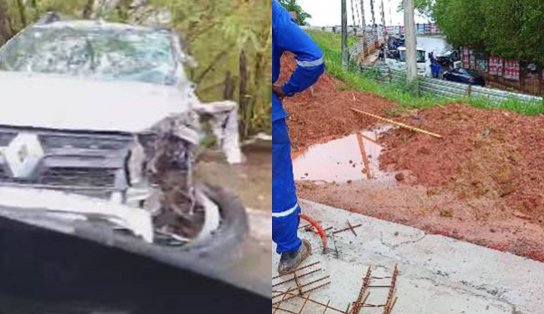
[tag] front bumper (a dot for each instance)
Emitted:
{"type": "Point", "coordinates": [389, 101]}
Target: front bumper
{"type": "Point", "coordinates": [43, 258]}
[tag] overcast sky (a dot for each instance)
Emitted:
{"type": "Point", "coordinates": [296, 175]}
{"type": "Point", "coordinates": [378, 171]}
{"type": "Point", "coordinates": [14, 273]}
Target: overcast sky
{"type": "Point", "coordinates": [327, 12]}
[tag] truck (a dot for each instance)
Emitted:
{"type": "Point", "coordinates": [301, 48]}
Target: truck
{"type": "Point", "coordinates": [397, 60]}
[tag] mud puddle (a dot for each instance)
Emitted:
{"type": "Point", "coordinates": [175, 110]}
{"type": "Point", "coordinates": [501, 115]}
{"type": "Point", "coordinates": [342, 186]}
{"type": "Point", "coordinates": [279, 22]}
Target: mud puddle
{"type": "Point", "coordinates": [351, 158]}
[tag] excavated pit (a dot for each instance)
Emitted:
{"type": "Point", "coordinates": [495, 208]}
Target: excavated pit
{"type": "Point", "coordinates": [482, 182]}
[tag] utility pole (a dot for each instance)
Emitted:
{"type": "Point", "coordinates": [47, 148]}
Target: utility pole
{"type": "Point", "coordinates": [358, 12]}
{"type": "Point", "coordinates": [411, 49]}
{"type": "Point", "coordinates": [345, 56]}
{"type": "Point", "coordinates": [352, 14]}
{"type": "Point", "coordinates": [363, 22]}
{"type": "Point", "coordinates": [384, 32]}
{"type": "Point", "coordinates": [374, 25]}
{"type": "Point", "coordinates": [383, 19]}
{"type": "Point", "coordinates": [390, 15]}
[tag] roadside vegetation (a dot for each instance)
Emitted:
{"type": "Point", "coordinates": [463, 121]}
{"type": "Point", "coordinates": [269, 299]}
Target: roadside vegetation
{"type": "Point", "coordinates": [293, 6]}
{"type": "Point", "coordinates": [505, 28]}
{"type": "Point", "coordinates": [401, 92]}
{"type": "Point", "coordinates": [510, 29]}
{"type": "Point", "coordinates": [230, 40]}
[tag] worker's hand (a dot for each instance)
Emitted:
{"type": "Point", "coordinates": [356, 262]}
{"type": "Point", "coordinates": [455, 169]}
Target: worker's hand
{"type": "Point", "coordinates": [278, 91]}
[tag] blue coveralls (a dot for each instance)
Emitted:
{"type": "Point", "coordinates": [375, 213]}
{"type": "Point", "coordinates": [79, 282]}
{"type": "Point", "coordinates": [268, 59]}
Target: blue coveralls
{"type": "Point", "coordinates": [287, 36]}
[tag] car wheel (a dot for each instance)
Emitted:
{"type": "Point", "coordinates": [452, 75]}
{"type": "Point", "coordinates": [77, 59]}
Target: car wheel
{"type": "Point", "coordinates": [233, 226]}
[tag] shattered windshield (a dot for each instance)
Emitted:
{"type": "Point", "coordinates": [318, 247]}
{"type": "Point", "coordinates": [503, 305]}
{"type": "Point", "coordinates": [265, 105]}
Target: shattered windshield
{"type": "Point", "coordinates": [100, 53]}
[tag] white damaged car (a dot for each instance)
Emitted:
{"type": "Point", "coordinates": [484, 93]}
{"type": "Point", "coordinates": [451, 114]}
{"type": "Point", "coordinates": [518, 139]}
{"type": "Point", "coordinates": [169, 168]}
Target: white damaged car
{"type": "Point", "coordinates": [99, 124]}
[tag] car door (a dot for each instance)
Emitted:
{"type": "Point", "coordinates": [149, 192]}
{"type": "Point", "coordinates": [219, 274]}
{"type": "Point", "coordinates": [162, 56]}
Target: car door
{"type": "Point", "coordinates": [452, 76]}
{"type": "Point", "coordinates": [463, 76]}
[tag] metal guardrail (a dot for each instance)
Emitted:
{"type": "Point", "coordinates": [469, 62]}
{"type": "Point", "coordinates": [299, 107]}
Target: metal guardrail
{"type": "Point", "coordinates": [449, 89]}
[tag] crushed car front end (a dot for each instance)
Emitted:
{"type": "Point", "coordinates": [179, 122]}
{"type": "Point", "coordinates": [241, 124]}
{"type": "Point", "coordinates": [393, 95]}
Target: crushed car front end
{"type": "Point", "coordinates": [107, 157]}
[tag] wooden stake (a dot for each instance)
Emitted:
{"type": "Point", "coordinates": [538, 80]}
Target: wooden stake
{"type": "Point", "coordinates": [402, 125]}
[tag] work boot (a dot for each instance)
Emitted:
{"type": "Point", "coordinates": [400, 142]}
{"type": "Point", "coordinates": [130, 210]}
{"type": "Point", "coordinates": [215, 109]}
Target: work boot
{"type": "Point", "coordinates": [289, 261]}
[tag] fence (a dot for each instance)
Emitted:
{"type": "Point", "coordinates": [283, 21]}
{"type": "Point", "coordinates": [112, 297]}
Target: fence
{"type": "Point", "coordinates": [449, 89]}
{"type": "Point", "coordinates": [352, 30]}
{"type": "Point", "coordinates": [371, 43]}
{"type": "Point", "coordinates": [525, 77]}
{"type": "Point", "coordinates": [421, 29]}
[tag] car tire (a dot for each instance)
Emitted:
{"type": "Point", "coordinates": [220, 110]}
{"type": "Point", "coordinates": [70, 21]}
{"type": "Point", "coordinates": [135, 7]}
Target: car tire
{"type": "Point", "coordinates": [234, 225]}
{"type": "Point", "coordinates": [230, 235]}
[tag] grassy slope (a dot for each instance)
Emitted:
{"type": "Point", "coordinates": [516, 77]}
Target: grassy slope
{"type": "Point", "coordinates": [400, 93]}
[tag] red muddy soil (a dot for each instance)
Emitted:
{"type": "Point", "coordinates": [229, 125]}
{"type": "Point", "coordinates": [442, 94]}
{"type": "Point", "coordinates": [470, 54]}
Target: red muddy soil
{"type": "Point", "coordinates": [482, 182]}
{"type": "Point", "coordinates": [310, 112]}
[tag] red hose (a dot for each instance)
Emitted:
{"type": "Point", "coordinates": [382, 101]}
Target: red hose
{"type": "Point", "coordinates": [317, 226]}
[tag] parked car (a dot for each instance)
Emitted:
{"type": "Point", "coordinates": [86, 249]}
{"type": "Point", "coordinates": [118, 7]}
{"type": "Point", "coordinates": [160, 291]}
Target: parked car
{"type": "Point", "coordinates": [462, 75]}
{"type": "Point", "coordinates": [99, 126]}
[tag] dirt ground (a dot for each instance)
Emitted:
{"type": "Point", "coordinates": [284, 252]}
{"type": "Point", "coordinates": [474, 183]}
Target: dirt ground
{"type": "Point", "coordinates": [482, 182]}
{"type": "Point", "coordinates": [252, 180]}
{"type": "Point", "coordinates": [310, 112]}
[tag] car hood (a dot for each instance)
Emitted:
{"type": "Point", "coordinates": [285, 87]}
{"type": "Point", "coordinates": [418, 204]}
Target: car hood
{"type": "Point", "coordinates": [59, 102]}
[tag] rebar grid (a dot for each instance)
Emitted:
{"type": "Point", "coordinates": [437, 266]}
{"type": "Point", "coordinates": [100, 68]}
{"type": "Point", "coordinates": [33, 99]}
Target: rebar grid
{"type": "Point", "coordinates": [391, 295]}
{"type": "Point", "coordinates": [326, 306]}
{"type": "Point", "coordinates": [293, 271]}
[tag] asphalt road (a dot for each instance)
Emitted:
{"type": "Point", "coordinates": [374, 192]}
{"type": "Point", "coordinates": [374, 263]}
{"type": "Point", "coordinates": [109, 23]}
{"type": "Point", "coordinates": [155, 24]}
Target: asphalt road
{"type": "Point", "coordinates": [431, 44]}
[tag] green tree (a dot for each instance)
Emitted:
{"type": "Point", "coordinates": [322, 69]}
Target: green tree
{"type": "Point", "coordinates": [461, 21]}
{"type": "Point", "coordinates": [513, 29]}
{"type": "Point", "coordinates": [531, 30]}
{"type": "Point", "coordinates": [215, 32]}
{"type": "Point", "coordinates": [502, 23]}
{"type": "Point", "coordinates": [4, 22]}
{"type": "Point", "coordinates": [509, 28]}
{"type": "Point", "coordinates": [422, 7]}
{"type": "Point", "coordinates": [293, 6]}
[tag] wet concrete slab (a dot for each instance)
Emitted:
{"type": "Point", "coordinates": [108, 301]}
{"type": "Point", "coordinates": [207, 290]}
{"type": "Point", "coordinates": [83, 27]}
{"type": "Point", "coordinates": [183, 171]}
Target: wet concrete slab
{"type": "Point", "coordinates": [437, 274]}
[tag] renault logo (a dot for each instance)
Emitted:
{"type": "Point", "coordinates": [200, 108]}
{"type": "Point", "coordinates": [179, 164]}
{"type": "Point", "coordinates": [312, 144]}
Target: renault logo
{"type": "Point", "coordinates": [23, 155]}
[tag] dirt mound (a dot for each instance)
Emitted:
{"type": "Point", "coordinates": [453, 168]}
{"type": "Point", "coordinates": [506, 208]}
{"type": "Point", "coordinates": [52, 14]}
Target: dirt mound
{"type": "Point", "coordinates": [491, 153]}
{"type": "Point", "coordinates": [482, 182]}
{"type": "Point", "coordinates": [323, 112]}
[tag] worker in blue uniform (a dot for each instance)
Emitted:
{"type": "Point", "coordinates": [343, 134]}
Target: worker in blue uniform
{"type": "Point", "coordinates": [288, 37]}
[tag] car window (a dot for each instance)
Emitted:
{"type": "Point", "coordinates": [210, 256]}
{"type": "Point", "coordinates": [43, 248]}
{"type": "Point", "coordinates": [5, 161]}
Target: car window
{"type": "Point", "coordinates": [402, 55]}
{"type": "Point", "coordinates": [420, 56]}
{"type": "Point", "coordinates": [101, 53]}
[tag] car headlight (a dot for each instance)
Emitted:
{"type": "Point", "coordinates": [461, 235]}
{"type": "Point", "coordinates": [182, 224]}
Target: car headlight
{"type": "Point", "coordinates": [141, 193]}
